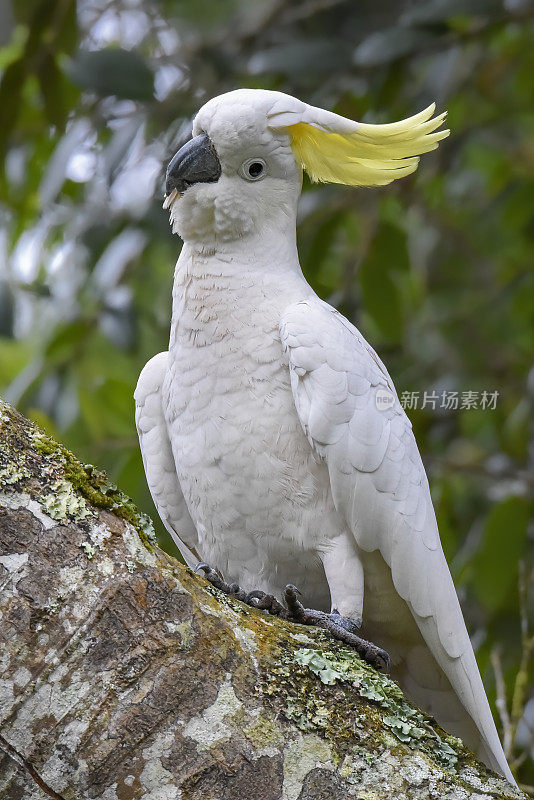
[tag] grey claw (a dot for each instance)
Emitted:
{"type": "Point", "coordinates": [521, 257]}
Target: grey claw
{"type": "Point", "coordinates": [256, 598]}
{"type": "Point", "coordinates": [341, 628]}
{"type": "Point", "coordinates": [383, 661]}
{"type": "Point", "coordinates": [295, 608]}
{"type": "Point", "coordinates": [291, 588]}
{"type": "Point", "coordinates": [214, 572]}
{"type": "Point", "coordinates": [255, 594]}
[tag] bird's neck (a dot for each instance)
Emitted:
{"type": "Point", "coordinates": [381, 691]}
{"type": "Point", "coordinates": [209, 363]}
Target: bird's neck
{"type": "Point", "coordinates": [266, 251]}
{"type": "Point", "coordinates": [275, 236]}
{"type": "Point", "coordinates": [235, 283]}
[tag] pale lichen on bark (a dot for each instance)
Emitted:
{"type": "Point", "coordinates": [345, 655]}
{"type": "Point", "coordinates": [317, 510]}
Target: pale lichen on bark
{"type": "Point", "coordinates": [125, 676]}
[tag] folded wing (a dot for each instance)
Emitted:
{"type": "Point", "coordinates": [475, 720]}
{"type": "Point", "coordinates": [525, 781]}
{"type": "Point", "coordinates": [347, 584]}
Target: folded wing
{"type": "Point", "coordinates": [352, 416]}
{"type": "Point", "coordinates": [158, 459]}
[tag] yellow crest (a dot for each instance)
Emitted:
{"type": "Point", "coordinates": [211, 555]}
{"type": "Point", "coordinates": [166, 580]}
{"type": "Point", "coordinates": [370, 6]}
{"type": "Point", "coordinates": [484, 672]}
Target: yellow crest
{"type": "Point", "coordinates": [370, 155]}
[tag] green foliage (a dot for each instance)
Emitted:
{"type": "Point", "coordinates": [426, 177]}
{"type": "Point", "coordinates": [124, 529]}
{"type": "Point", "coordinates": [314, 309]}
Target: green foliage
{"type": "Point", "coordinates": [436, 270]}
{"type": "Point", "coordinates": [380, 280]}
{"type": "Point", "coordinates": [32, 84]}
{"type": "Point", "coordinates": [496, 576]}
{"type": "Point", "coordinates": [113, 72]}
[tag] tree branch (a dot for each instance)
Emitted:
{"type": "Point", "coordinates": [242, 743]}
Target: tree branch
{"type": "Point", "coordinates": [126, 676]}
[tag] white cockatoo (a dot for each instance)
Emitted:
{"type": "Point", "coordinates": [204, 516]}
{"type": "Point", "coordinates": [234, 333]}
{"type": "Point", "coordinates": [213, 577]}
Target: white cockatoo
{"type": "Point", "coordinates": [274, 444]}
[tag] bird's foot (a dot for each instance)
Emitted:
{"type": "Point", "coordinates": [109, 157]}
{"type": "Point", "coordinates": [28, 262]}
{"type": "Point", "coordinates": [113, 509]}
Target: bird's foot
{"type": "Point", "coordinates": [341, 628]}
{"type": "Point", "coordinates": [256, 598]}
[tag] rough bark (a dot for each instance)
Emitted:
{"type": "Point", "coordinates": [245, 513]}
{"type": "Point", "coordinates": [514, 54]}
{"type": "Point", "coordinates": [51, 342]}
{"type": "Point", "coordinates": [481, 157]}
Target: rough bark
{"type": "Point", "coordinates": [123, 675]}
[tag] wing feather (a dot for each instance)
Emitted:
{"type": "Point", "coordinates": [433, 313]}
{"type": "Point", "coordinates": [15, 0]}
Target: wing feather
{"type": "Point", "coordinates": [158, 459]}
{"type": "Point", "coordinates": [379, 486]}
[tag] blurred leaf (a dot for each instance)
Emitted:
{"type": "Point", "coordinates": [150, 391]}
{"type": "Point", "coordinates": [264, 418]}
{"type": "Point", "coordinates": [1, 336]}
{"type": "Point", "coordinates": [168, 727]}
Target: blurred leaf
{"type": "Point", "coordinates": [23, 10]}
{"type": "Point", "coordinates": [320, 241]}
{"type": "Point", "coordinates": [433, 11]}
{"type": "Point", "coordinates": [501, 547]}
{"type": "Point", "coordinates": [117, 408]}
{"type": "Point", "coordinates": [50, 79]}
{"type": "Point", "coordinates": [93, 414]}
{"type": "Point", "coordinates": [389, 45]}
{"type": "Point", "coordinates": [14, 355]}
{"type": "Point", "coordinates": [66, 28]}
{"type": "Point", "coordinates": [516, 428]}
{"type": "Point", "coordinates": [306, 56]}
{"type": "Point", "coordinates": [381, 300]}
{"type": "Point", "coordinates": [11, 86]}
{"type": "Point", "coordinates": [15, 48]}
{"type": "Point", "coordinates": [388, 255]}
{"type": "Point", "coordinates": [55, 173]}
{"type": "Point", "coordinates": [113, 72]}
{"type": "Point", "coordinates": [7, 311]}
{"type": "Point", "coordinates": [390, 248]}
{"type": "Point", "coordinates": [66, 342]}
{"type": "Point", "coordinates": [206, 13]}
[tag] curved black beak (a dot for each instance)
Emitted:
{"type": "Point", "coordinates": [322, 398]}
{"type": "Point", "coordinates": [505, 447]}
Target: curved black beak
{"type": "Point", "coordinates": [195, 162]}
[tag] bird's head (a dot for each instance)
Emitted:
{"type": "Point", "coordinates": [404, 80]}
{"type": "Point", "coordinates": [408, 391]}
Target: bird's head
{"type": "Point", "coordinates": [242, 170]}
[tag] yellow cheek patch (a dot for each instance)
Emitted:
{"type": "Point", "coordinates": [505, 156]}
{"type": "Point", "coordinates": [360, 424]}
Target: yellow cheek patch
{"type": "Point", "coordinates": [374, 155]}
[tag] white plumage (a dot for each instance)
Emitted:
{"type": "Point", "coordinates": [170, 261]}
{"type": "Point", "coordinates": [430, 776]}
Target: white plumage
{"type": "Point", "coordinates": [267, 450]}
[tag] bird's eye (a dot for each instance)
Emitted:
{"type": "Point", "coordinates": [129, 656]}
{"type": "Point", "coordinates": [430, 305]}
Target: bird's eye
{"type": "Point", "coordinates": [254, 169]}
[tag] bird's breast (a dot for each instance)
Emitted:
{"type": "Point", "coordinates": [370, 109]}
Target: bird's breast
{"type": "Point", "coordinates": [232, 417]}
{"type": "Point", "coordinates": [249, 476]}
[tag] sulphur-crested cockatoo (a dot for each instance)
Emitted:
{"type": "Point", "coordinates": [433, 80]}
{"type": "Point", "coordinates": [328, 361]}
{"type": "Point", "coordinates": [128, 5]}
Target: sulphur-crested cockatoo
{"type": "Point", "coordinates": [274, 443]}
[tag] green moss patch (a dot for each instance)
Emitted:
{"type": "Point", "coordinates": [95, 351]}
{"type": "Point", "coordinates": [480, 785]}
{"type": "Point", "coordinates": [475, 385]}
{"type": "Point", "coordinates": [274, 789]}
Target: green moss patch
{"type": "Point", "coordinates": [407, 724]}
{"type": "Point", "coordinates": [29, 457]}
{"type": "Point", "coordinates": [331, 690]}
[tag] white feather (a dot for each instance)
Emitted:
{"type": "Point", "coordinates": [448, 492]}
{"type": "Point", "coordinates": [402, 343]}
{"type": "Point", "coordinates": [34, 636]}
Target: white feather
{"type": "Point", "coordinates": [386, 502]}
{"type": "Point", "coordinates": [158, 461]}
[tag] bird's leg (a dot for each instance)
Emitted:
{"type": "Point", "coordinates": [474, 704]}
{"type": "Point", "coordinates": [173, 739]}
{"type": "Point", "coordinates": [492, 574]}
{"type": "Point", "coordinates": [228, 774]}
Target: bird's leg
{"type": "Point", "coordinates": [345, 576]}
{"type": "Point", "coordinates": [256, 598]}
{"type": "Point", "coordinates": [342, 628]}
